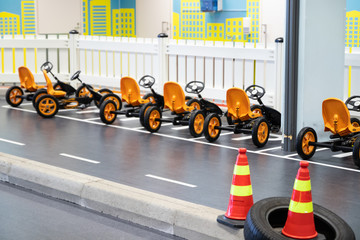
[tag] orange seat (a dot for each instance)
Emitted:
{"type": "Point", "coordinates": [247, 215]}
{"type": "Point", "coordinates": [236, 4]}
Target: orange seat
{"type": "Point", "coordinates": [174, 98]}
{"type": "Point", "coordinates": [337, 117]}
{"type": "Point", "coordinates": [50, 89]}
{"type": "Point", "coordinates": [130, 92]}
{"type": "Point", "coordinates": [27, 80]}
{"type": "Point", "coordinates": [238, 105]}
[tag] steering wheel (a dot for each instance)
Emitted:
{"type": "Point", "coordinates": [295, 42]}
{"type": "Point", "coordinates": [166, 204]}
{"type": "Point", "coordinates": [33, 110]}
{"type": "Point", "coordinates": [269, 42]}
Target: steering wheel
{"type": "Point", "coordinates": [255, 92]}
{"type": "Point", "coordinates": [76, 75]}
{"type": "Point", "coordinates": [194, 87]}
{"type": "Point", "coordinates": [47, 66]}
{"type": "Point", "coordinates": [147, 81]}
{"type": "Point", "coordinates": [353, 103]}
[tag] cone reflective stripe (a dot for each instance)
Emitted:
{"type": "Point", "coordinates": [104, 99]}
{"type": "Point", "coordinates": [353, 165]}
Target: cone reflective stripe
{"type": "Point", "coordinates": [300, 221]}
{"type": "Point", "coordinates": [241, 198]}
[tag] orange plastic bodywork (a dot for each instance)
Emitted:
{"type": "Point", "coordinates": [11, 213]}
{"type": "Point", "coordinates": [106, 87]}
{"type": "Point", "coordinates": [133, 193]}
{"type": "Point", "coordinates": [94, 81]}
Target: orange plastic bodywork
{"type": "Point", "coordinates": [50, 89]}
{"type": "Point", "coordinates": [238, 104]}
{"type": "Point", "coordinates": [27, 80]}
{"type": "Point", "coordinates": [130, 92]}
{"type": "Point", "coordinates": [337, 117]}
{"type": "Point", "coordinates": [174, 98]}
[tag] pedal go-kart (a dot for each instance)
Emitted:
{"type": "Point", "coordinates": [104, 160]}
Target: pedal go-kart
{"type": "Point", "coordinates": [81, 91]}
{"type": "Point", "coordinates": [15, 95]}
{"type": "Point", "coordinates": [191, 113]}
{"type": "Point", "coordinates": [353, 104]}
{"type": "Point", "coordinates": [49, 104]}
{"type": "Point", "coordinates": [345, 137]}
{"type": "Point", "coordinates": [135, 105]}
{"type": "Point", "coordinates": [257, 120]}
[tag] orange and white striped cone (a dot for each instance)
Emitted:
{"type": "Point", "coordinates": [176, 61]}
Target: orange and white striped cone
{"type": "Point", "coordinates": [300, 221]}
{"type": "Point", "coordinates": [241, 198]}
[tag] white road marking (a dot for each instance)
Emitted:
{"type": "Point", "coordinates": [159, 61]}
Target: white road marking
{"type": "Point", "coordinates": [92, 119]}
{"type": "Point", "coordinates": [221, 134]}
{"type": "Point", "coordinates": [341, 155]}
{"type": "Point", "coordinates": [269, 149]}
{"type": "Point", "coordinates": [241, 138]}
{"type": "Point", "coordinates": [13, 142]}
{"type": "Point", "coordinates": [26, 104]}
{"type": "Point", "coordinates": [170, 180]}
{"type": "Point", "coordinates": [128, 119]}
{"type": "Point", "coordinates": [79, 158]}
{"type": "Point", "coordinates": [295, 154]}
{"type": "Point", "coordinates": [200, 142]}
{"type": "Point", "coordinates": [88, 111]}
{"type": "Point", "coordinates": [180, 128]}
{"type": "Point", "coordinates": [166, 124]}
{"type": "Point", "coordinates": [68, 110]}
{"type": "Point", "coordinates": [275, 137]}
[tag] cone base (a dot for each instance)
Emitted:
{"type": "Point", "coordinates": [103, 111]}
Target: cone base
{"type": "Point", "coordinates": [230, 222]}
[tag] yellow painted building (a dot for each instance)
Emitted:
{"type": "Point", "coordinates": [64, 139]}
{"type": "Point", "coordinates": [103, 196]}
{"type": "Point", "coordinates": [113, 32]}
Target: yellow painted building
{"type": "Point", "coordinates": [100, 17]}
{"type": "Point", "coordinates": [127, 22]}
{"type": "Point", "coordinates": [176, 26]}
{"type": "Point", "coordinates": [253, 12]}
{"type": "Point", "coordinates": [352, 38]}
{"type": "Point", "coordinates": [85, 17]}
{"type": "Point", "coordinates": [9, 23]}
{"type": "Point", "coordinates": [28, 17]}
{"type": "Point", "coordinates": [116, 22]}
{"type": "Point", "coordinates": [192, 20]}
{"type": "Point", "coordinates": [234, 28]}
{"type": "Point", "coordinates": [215, 32]}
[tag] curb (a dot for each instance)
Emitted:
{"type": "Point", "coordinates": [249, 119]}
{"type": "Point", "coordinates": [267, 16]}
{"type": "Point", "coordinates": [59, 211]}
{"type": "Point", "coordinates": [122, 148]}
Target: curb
{"type": "Point", "coordinates": [166, 214]}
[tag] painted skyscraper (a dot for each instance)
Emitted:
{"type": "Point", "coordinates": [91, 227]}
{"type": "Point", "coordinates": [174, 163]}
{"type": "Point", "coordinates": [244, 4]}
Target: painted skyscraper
{"type": "Point", "coordinates": [100, 17]}
{"type": "Point", "coordinates": [28, 17]}
{"type": "Point", "coordinates": [9, 23]}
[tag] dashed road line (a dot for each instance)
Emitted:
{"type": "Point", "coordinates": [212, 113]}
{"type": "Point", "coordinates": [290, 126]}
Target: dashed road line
{"type": "Point", "coordinates": [79, 158]}
{"type": "Point", "coordinates": [269, 149]}
{"type": "Point", "coordinates": [170, 180]}
{"type": "Point", "coordinates": [12, 142]}
{"type": "Point", "coordinates": [341, 155]}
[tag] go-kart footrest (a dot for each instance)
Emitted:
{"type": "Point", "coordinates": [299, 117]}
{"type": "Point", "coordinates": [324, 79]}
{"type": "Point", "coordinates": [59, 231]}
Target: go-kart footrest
{"type": "Point", "coordinates": [225, 128]}
{"type": "Point", "coordinates": [164, 120]}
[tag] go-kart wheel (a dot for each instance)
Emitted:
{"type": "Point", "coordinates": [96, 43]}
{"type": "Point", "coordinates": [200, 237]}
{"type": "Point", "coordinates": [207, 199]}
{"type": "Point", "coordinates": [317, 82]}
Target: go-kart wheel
{"type": "Point", "coordinates": [47, 106]}
{"type": "Point", "coordinates": [187, 98]}
{"type": "Point", "coordinates": [150, 97]}
{"type": "Point", "coordinates": [37, 95]}
{"type": "Point", "coordinates": [211, 122]}
{"type": "Point", "coordinates": [113, 97]}
{"type": "Point", "coordinates": [57, 86]}
{"type": "Point", "coordinates": [82, 91]}
{"type": "Point", "coordinates": [150, 122]}
{"type": "Point", "coordinates": [267, 217]}
{"type": "Point", "coordinates": [102, 91]}
{"type": "Point", "coordinates": [107, 111]}
{"type": "Point", "coordinates": [143, 111]}
{"type": "Point", "coordinates": [260, 132]}
{"type": "Point", "coordinates": [303, 148]}
{"type": "Point", "coordinates": [356, 152]}
{"type": "Point", "coordinates": [195, 103]}
{"type": "Point", "coordinates": [196, 123]}
{"type": "Point", "coordinates": [355, 122]}
{"type": "Point", "coordinates": [13, 96]}
{"type": "Point", "coordinates": [257, 109]}
{"type": "Point", "coordinates": [229, 119]}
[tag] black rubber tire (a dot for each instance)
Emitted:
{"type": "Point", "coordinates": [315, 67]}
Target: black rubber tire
{"type": "Point", "coordinates": [57, 86]}
{"type": "Point", "coordinates": [111, 96]}
{"type": "Point", "coordinates": [103, 107]}
{"type": "Point", "coordinates": [194, 101]}
{"type": "Point", "coordinates": [355, 121]}
{"type": "Point", "coordinates": [149, 96]}
{"type": "Point", "coordinates": [37, 94]}
{"type": "Point", "coordinates": [206, 127]}
{"type": "Point", "coordinates": [299, 140]}
{"type": "Point", "coordinates": [255, 129]}
{"type": "Point", "coordinates": [192, 129]}
{"type": "Point", "coordinates": [187, 98]}
{"type": "Point", "coordinates": [267, 217]}
{"type": "Point", "coordinates": [7, 96]}
{"type": "Point", "coordinates": [229, 119]}
{"type": "Point", "coordinates": [77, 92]}
{"type": "Point", "coordinates": [142, 112]}
{"type": "Point", "coordinates": [356, 152]}
{"type": "Point", "coordinates": [45, 97]}
{"type": "Point", "coordinates": [147, 119]}
{"type": "Point", "coordinates": [257, 107]}
{"type": "Point", "coordinates": [102, 91]}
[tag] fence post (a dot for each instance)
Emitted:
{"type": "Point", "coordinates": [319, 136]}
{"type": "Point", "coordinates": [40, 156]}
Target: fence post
{"type": "Point", "coordinates": [279, 71]}
{"type": "Point", "coordinates": [163, 62]}
{"type": "Point", "coordinates": [73, 52]}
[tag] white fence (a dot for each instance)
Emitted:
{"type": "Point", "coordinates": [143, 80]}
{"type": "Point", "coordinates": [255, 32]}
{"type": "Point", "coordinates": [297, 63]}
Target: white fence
{"type": "Point", "coordinates": [104, 60]}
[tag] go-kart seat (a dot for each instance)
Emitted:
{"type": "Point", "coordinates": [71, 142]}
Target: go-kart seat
{"type": "Point", "coordinates": [238, 105]}
{"type": "Point", "coordinates": [27, 80]}
{"type": "Point", "coordinates": [50, 89]}
{"type": "Point", "coordinates": [337, 117]}
{"type": "Point", "coordinates": [130, 92]}
{"type": "Point", "coordinates": [174, 98]}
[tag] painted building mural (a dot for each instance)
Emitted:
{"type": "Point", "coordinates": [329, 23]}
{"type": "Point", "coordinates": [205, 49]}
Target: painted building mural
{"type": "Point", "coordinates": [352, 37]}
{"type": "Point", "coordinates": [239, 21]}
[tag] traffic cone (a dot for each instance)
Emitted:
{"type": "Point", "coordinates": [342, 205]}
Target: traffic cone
{"type": "Point", "coordinates": [241, 198]}
{"type": "Point", "coordinates": [300, 221]}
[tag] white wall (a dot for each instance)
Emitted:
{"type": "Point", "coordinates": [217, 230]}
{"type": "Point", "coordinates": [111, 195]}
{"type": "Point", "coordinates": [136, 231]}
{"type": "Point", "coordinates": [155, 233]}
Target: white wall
{"type": "Point", "coordinates": [150, 16]}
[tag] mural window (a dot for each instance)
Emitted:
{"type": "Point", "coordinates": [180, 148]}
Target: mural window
{"type": "Point", "coordinates": [234, 23]}
{"type": "Point", "coordinates": [257, 4]}
{"type": "Point", "coordinates": [239, 23]}
{"type": "Point", "coordinates": [351, 19]}
{"type": "Point", "coordinates": [234, 29]}
{"type": "Point", "coordinates": [187, 35]}
{"type": "Point", "coordinates": [239, 30]}
{"type": "Point", "coordinates": [220, 28]}
{"type": "Point", "coordinates": [220, 35]}
{"type": "Point", "coordinates": [355, 32]}
{"type": "Point", "coordinates": [228, 23]}
{"type": "Point", "coordinates": [197, 35]}
{"type": "Point", "coordinates": [214, 34]}
{"type": "Point", "coordinates": [351, 23]}
{"type": "Point", "coordinates": [228, 29]}
{"type": "Point", "coordinates": [239, 37]}
{"type": "Point", "coordinates": [201, 35]}
{"type": "Point", "coordinates": [214, 28]}
{"type": "Point", "coordinates": [201, 29]}
{"type": "Point", "coordinates": [210, 34]}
